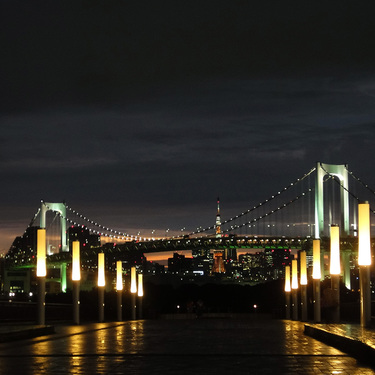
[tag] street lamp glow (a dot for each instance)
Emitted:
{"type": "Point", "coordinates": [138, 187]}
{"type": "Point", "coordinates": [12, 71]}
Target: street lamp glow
{"type": "Point", "coordinates": [119, 284]}
{"type": "Point", "coordinates": [287, 279]}
{"type": "Point", "coordinates": [317, 274]}
{"type": "Point", "coordinates": [303, 268]}
{"type": "Point", "coordinates": [133, 281]}
{"type": "Point", "coordinates": [335, 268]}
{"type": "Point", "coordinates": [294, 274]}
{"type": "Point", "coordinates": [41, 268]}
{"type": "Point", "coordinates": [364, 241]}
{"type": "Point", "coordinates": [101, 276]}
{"type": "Point", "coordinates": [76, 267]}
{"type": "Point", "coordinates": [140, 285]}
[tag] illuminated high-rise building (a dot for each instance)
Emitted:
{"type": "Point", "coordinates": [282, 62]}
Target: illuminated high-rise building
{"type": "Point", "coordinates": [218, 220]}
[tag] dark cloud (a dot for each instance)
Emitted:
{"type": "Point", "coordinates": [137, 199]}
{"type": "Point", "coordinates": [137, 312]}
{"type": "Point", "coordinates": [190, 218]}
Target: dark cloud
{"type": "Point", "coordinates": [141, 113]}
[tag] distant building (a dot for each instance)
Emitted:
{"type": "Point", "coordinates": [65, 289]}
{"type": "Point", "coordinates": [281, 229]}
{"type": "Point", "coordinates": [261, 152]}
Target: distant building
{"type": "Point", "coordinates": [218, 266]}
{"type": "Point", "coordinates": [23, 248]}
{"type": "Point", "coordinates": [84, 236]}
{"type": "Point", "coordinates": [179, 263]}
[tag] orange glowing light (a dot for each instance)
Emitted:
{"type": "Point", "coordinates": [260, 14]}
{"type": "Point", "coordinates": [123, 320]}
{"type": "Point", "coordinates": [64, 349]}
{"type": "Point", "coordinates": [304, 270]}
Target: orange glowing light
{"type": "Point", "coordinates": [364, 240]}
{"type": "Point", "coordinates": [133, 281]}
{"type": "Point", "coordinates": [294, 274]}
{"type": "Point", "coordinates": [335, 268]}
{"type": "Point", "coordinates": [287, 279]}
{"type": "Point", "coordinates": [316, 260]}
{"type": "Point", "coordinates": [140, 285]}
{"type": "Point", "coordinates": [41, 267]}
{"type": "Point", "coordinates": [76, 267]}
{"type": "Point", "coordinates": [119, 284]}
{"type": "Point", "coordinates": [303, 269]}
{"type": "Point", "coordinates": [101, 275]}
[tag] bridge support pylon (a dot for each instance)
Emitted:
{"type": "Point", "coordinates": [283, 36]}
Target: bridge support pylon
{"type": "Point", "coordinates": [59, 207]}
{"type": "Point", "coordinates": [340, 171]}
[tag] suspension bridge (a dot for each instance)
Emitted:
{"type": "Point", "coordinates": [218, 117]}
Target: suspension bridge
{"type": "Point", "coordinates": [304, 209]}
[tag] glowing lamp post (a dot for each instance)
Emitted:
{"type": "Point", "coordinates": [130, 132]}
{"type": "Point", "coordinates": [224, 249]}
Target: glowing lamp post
{"type": "Point", "coordinates": [364, 261]}
{"type": "Point", "coordinates": [295, 289]}
{"type": "Point", "coordinates": [335, 270]}
{"type": "Point", "coordinates": [316, 280]}
{"type": "Point", "coordinates": [41, 272]}
{"type": "Point", "coordinates": [119, 288]}
{"type": "Point", "coordinates": [287, 292]}
{"type": "Point", "coordinates": [76, 277]}
{"type": "Point", "coordinates": [303, 282]}
{"type": "Point", "coordinates": [133, 290]}
{"type": "Point", "coordinates": [140, 295]}
{"type": "Point", "coordinates": [101, 285]}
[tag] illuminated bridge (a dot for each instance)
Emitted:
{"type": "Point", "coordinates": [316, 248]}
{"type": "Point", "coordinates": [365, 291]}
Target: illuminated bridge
{"type": "Point", "coordinates": [290, 218]}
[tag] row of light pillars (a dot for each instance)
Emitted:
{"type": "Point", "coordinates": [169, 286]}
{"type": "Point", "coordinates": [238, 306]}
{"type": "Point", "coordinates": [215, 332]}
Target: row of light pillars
{"type": "Point", "coordinates": [76, 277]}
{"type": "Point", "coordinates": [364, 263]}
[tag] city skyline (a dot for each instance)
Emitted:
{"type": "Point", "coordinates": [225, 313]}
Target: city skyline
{"type": "Point", "coordinates": [140, 117]}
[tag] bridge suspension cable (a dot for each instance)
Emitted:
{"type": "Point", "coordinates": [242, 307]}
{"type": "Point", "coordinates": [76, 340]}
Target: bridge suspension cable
{"type": "Point", "coordinates": [331, 176]}
{"type": "Point", "coordinates": [114, 233]}
{"type": "Point", "coordinates": [270, 212]}
{"type": "Point", "coordinates": [261, 204]}
{"type": "Point", "coordinates": [34, 218]}
{"type": "Point", "coordinates": [360, 181]}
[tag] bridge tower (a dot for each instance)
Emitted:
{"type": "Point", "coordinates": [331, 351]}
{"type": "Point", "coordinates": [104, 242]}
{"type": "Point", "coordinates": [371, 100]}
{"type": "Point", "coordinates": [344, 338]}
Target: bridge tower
{"type": "Point", "coordinates": [340, 171]}
{"type": "Point", "coordinates": [218, 220]}
{"type": "Point", "coordinates": [59, 207]}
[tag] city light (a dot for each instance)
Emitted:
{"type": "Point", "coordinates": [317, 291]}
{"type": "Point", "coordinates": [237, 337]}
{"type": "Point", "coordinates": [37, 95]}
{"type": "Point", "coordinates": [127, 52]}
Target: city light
{"type": "Point", "coordinates": [76, 266]}
{"type": "Point", "coordinates": [133, 281]}
{"type": "Point", "coordinates": [41, 267]}
{"type": "Point", "coordinates": [119, 284]}
{"type": "Point", "coordinates": [287, 279]}
{"type": "Point", "coordinates": [140, 285]}
{"type": "Point", "coordinates": [294, 274]}
{"type": "Point", "coordinates": [364, 240]}
{"type": "Point", "coordinates": [303, 269]}
{"type": "Point", "coordinates": [335, 268]}
{"type": "Point", "coordinates": [101, 272]}
{"type": "Point", "coordinates": [316, 260]}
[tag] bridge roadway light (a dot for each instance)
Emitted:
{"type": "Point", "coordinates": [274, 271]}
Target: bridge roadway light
{"type": "Point", "coordinates": [295, 289]}
{"type": "Point", "coordinates": [335, 270]}
{"type": "Point", "coordinates": [364, 261]}
{"type": "Point", "coordinates": [41, 272]}
{"type": "Point", "coordinates": [287, 289]}
{"type": "Point", "coordinates": [101, 285]}
{"type": "Point", "coordinates": [76, 277]}
{"type": "Point", "coordinates": [303, 282]}
{"type": "Point", "coordinates": [316, 279]}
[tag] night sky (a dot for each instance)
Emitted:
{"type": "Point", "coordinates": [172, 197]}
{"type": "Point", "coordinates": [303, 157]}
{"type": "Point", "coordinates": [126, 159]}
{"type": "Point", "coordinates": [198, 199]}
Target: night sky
{"type": "Point", "coordinates": [139, 114]}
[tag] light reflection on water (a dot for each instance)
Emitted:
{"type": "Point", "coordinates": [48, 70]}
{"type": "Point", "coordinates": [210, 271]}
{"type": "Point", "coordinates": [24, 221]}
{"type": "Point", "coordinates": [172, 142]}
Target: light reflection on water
{"type": "Point", "coordinates": [198, 346]}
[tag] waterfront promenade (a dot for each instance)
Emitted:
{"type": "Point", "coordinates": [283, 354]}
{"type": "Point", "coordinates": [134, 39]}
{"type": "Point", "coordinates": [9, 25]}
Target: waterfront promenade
{"type": "Point", "coordinates": [253, 345]}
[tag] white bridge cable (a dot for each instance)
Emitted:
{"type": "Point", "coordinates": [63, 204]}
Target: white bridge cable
{"type": "Point", "coordinates": [261, 204]}
{"type": "Point", "coordinates": [259, 218]}
{"type": "Point", "coordinates": [348, 191]}
{"type": "Point", "coordinates": [125, 236]}
{"type": "Point", "coordinates": [114, 233]}
{"type": "Point", "coordinates": [33, 219]}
